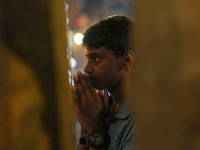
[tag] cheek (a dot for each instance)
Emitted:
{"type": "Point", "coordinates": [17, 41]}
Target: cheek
{"type": "Point", "coordinates": [109, 74]}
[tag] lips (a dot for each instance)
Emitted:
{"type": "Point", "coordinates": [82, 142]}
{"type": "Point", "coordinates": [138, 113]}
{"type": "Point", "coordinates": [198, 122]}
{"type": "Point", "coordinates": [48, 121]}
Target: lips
{"type": "Point", "coordinates": [92, 79]}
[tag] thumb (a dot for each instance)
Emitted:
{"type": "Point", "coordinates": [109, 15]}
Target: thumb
{"type": "Point", "coordinates": [106, 101]}
{"type": "Point", "coordinates": [75, 98]}
{"type": "Point", "coordinates": [100, 94]}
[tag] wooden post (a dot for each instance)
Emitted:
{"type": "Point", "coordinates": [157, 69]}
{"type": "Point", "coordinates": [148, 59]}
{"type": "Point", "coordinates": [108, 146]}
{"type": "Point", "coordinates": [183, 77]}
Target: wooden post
{"type": "Point", "coordinates": [166, 79]}
{"type": "Point", "coordinates": [63, 92]}
{"type": "Point", "coordinates": [35, 100]}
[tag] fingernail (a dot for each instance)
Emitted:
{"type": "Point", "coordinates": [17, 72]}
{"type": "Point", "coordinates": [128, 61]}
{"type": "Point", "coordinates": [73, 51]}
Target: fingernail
{"type": "Point", "coordinates": [100, 92]}
{"type": "Point", "coordinates": [85, 75]}
{"type": "Point", "coordinates": [103, 92]}
{"type": "Point", "coordinates": [76, 78]}
{"type": "Point", "coordinates": [74, 88]}
{"type": "Point", "coordinates": [79, 73]}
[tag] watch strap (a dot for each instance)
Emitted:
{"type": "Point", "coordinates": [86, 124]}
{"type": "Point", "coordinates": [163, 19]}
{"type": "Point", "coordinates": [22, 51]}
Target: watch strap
{"type": "Point", "coordinates": [82, 140]}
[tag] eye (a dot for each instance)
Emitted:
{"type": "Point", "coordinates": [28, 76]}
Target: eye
{"type": "Point", "coordinates": [97, 59]}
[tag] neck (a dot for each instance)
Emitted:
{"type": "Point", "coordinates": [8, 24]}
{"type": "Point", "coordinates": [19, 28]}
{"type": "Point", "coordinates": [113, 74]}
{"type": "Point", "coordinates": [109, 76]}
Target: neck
{"type": "Point", "coordinates": [120, 92]}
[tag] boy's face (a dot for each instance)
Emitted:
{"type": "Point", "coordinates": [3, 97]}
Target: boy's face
{"type": "Point", "coordinates": [104, 70]}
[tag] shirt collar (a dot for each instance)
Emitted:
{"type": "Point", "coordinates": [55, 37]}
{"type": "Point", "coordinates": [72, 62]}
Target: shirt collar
{"type": "Point", "coordinates": [124, 111]}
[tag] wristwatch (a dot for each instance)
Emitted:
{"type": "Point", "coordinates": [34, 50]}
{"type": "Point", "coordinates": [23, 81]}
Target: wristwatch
{"type": "Point", "coordinates": [96, 139]}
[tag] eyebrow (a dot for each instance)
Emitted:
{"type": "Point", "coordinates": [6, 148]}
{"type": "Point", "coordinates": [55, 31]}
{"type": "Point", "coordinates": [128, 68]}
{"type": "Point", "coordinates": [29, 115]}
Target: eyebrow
{"type": "Point", "coordinates": [93, 54]}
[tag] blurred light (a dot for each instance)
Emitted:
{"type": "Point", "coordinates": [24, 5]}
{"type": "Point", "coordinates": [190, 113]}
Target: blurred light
{"type": "Point", "coordinates": [70, 39]}
{"type": "Point", "coordinates": [70, 73]}
{"type": "Point", "coordinates": [79, 22]}
{"type": "Point", "coordinates": [78, 37]}
{"type": "Point", "coordinates": [67, 20]}
{"type": "Point", "coordinates": [73, 62]}
{"type": "Point", "coordinates": [70, 76]}
{"type": "Point", "coordinates": [66, 6]}
{"type": "Point", "coordinates": [72, 82]}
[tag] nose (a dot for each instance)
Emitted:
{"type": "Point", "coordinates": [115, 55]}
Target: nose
{"type": "Point", "coordinates": [89, 68]}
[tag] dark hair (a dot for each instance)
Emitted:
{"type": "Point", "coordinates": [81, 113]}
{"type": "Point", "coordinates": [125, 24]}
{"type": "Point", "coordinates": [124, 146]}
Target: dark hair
{"type": "Point", "coordinates": [114, 33]}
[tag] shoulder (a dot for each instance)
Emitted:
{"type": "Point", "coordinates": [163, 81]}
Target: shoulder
{"type": "Point", "coordinates": [122, 129]}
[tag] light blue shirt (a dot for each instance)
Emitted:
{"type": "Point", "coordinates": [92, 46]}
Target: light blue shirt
{"type": "Point", "coordinates": [121, 130]}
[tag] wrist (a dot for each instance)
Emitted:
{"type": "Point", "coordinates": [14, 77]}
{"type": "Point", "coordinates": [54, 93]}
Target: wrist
{"type": "Point", "coordinates": [83, 147]}
{"type": "Point", "coordinates": [97, 139]}
{"type": "Point", "coordinates": [83, 132]}
{"type": "Point", "coordinates": [103, 127]}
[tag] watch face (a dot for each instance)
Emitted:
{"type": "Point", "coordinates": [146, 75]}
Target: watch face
{"type": "Point", "coordinates": [97, 138]}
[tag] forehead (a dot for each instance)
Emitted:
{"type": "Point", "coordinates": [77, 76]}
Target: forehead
{"type": "Point", "coordinates": [101, 51]}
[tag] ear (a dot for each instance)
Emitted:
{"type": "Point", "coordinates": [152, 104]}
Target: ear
{"type": "Point", "coordinates": [128, 60]}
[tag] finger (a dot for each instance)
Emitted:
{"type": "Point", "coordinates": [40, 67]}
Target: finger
{"type": "Point", "coordinates": [90, 86]}
{"type": "Point", "coordinates": [106, 101]}
{"type": "Point", "coordinates": [75, 99]}
{"type": "Point", "coordinates": [100, 93]}
{"type": "Point", "coordinates": [84, 85]}
{"type": "Point", "coordinates": [79, 89]}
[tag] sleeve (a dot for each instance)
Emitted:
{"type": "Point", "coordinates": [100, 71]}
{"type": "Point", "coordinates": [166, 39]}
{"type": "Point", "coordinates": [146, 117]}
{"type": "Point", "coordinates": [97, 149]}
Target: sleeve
{"type": "Point", "coordinates": [129, 141]}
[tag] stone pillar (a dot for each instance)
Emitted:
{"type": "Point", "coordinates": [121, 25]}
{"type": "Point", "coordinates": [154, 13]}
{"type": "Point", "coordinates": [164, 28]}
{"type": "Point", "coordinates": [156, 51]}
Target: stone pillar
{"type": "Point", "coordinates": [35, 103]}
{"type": "Point", "coordinates": [166, 79]}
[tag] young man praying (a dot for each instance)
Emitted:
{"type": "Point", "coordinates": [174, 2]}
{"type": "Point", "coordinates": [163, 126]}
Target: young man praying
{"type": "Point", "coordinates": [106, 123]}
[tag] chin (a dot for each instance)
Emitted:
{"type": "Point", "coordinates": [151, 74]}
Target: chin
{"type": "Point", "coordinates": [98, 87]}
